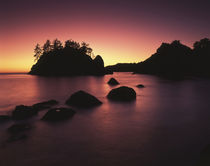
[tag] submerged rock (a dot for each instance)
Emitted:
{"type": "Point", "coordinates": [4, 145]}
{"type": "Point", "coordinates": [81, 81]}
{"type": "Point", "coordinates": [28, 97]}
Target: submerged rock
{"type": "Point", "coordinates": [58, 114]}
{"type": "Point", "coordinates": [140, 86]}
{"type": "Point", "coordinates": [113, 81]}
{"type": "Point", "coordinates": [82, 99]}
{"type": "Point", "coordinates": [45, 105]}
{"type": "Point", "coordinates": [23, 112]}
{"type": "Point", "coordinates": [17, 137]}
{"type": "Point", "coordinates": [17, 131]}
{"type": "Point", "coordinates": [17, 128]}
{"type": "Point", "coordinates": [4, 118]}
{"type": "Point", "coordinates": [122, 93]}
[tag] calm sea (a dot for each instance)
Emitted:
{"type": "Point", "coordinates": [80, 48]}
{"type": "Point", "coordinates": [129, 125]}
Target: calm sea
{"type": "Point", "coordinates": [168, 125]}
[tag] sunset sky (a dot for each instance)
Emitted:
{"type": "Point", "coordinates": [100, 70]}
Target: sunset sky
{"type": "Point", "coordinates": [118, 30]}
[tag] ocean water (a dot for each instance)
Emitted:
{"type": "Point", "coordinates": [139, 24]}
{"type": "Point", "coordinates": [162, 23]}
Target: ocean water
{"type": "Point", "coordinates": [168, 124]}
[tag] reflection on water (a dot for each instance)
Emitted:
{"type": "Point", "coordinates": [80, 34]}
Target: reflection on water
{"type": "Point", "coordinates": [168, 124]}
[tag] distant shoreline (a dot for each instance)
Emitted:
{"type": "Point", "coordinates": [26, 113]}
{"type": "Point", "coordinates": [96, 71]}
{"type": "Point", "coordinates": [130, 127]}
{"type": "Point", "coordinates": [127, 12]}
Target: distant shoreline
{"type": "Point", "coordinates": [12, 73]}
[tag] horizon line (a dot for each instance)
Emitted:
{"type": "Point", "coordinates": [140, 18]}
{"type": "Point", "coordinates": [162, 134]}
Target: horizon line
{"type": "Point", "coordinates": [13, 73]}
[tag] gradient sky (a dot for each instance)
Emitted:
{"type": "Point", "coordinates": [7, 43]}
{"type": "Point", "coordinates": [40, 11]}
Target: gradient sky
{"type": "Point", "coordinates": [118, 30]}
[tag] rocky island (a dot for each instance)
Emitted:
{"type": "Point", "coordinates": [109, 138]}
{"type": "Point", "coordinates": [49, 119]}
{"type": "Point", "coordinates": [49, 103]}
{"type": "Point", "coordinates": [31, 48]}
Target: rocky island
{"type": "Point", "coordinates": [54, 59]}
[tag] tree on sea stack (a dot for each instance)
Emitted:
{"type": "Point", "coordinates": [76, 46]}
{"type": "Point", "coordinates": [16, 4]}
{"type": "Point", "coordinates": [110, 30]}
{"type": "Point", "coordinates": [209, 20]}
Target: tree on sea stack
{"type": "Point", "coordinates": [38, 52]}
{"type": "Point", "coordinates": [86, 49]}
{"type": "Point", "coordinates": [57, 45]}
{"type": "Point", "coordinates": [72, 44]}
{"type": "Point", "coordinates": [47, 47]}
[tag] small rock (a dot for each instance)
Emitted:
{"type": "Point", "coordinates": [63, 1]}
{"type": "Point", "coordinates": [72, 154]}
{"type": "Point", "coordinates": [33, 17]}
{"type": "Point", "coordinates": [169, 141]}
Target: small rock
{"type": "Point", "coordinates": [140, 86]}
{"type": "Point", "coordinates": [82, 99]}
{"type": "Point", "coordinates": [58, 114]}
{"type": "Point", "coordinates": [23, 112]}
{"type": "Point", "coordinates": [122, 93]}
{"type": "Point", "coordinates": [113, 81]}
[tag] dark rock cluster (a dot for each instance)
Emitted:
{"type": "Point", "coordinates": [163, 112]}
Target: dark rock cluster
{"type": "Point", "coordinates": [80, 99]}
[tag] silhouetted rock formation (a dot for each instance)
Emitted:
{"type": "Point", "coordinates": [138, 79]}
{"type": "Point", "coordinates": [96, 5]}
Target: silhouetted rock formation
{"type": "Point", "coordinates": [23, 112]}
{"type": "Point", "coordinates": [4, 118]}
{"type": "Point", "coordinates": [99, 62]}
{"type": "Point", "coordinates": [113, 81]}
{"type": "Point", "coordinates": [72, 59]}
{"type": "Point", "coordinates": [122, 94]}
{"type": "Point", "coordinates": [45, 105]}
{"type": "Point", "coordinates": [170, 59]}
{"type": "Point", "coordinates": [82, 99]}
{"type": "Point", "coordinates": [58, 114]}
{"type": "Point", "coordinates": [176, 59]}
{"type": "Point", "coordinates": [140, 86]}
{"type": "Point", "coordinates": [173, 60]}
{"type": "Point", "coordinates": [201, 52]}
{"type": "Point", "coordinates": [122, 67]}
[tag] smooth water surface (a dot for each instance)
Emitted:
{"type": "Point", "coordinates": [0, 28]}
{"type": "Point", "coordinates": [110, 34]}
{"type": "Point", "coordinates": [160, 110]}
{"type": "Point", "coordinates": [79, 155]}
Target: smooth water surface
{"type": "Point", "coordinates": [168, 124]}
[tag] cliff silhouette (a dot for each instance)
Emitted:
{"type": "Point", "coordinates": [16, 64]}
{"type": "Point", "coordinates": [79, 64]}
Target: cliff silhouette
{"type": "Point", "coordinates": [173, 59]}
{"type": "Point", "coordinates": [170, 59]}
{"type": "Point", "coordinates": [53, 59]}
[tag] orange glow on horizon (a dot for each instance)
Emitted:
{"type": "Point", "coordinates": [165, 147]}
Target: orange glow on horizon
{"type": "Point", "coordinates": [115, 44]}
{"type": "Point", "coordinates": [17, 52]}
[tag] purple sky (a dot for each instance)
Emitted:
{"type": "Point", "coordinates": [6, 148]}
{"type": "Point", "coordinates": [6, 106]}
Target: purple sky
{"type": "Point", "coordinates": [128, 31]}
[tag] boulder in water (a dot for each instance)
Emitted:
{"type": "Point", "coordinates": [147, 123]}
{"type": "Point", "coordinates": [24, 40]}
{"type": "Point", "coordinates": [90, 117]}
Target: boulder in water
{"type": "Point", "coordinates": [122, 93]}
{"type": "Point", "coordinates": [58, 114]}
{"type": "Point", "coordinates": [113, 81]}
{"type": "Point", "coordinates": [83, 99]}
{"type": "Point", "coordinates": [140, 86]}
{"type": "Point", "coordinates": [23, 112]}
